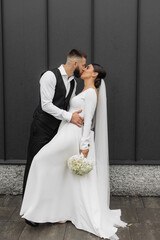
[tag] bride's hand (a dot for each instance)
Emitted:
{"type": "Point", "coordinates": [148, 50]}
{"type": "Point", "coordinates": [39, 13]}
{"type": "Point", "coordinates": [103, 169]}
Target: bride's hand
{"type": "Point", "coordinates": [85, 152]}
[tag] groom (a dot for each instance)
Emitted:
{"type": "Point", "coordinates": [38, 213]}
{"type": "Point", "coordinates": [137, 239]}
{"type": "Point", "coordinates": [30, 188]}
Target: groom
{"type": "Point", "coordinates": [57, 87]}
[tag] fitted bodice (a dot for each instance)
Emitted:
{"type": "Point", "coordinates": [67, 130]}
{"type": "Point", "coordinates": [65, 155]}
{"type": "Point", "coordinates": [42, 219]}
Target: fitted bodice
{"type": "Point", "coordinates": [85, 101]}
{"type": "Point", "coordinates": [77, 103]}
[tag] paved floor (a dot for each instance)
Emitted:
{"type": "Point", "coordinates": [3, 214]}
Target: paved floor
{"type": "Point", "coordinates": [141, 213]}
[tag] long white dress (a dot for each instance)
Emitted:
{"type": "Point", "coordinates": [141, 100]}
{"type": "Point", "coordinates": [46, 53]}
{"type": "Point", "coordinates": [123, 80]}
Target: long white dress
{"type": "Point", "coordinates": [53, 193]}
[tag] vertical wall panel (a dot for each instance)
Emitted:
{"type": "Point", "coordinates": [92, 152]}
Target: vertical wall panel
{"type": "Point", "coordinates": [1, 93]}
{"type": "Point", "coordinates": [149, 81]}
{"type": "Point", "coordinates": [115, 49]}
{"type": "Point", "coordinates": [25, 58]}
{"type": "Point", "coordinates": [69, 27]}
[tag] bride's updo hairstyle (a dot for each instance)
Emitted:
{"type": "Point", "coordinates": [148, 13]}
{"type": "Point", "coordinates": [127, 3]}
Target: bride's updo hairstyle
{"type": "Point", "coordinates": [101, 74]}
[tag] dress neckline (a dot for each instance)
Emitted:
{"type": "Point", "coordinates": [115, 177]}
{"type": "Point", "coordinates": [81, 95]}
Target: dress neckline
{"type": "Point", "coordinates": [87, 89]}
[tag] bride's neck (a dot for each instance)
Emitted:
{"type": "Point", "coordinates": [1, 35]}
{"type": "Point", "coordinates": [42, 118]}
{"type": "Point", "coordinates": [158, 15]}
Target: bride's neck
{"type": "Point", "coordinates": [89, 83]}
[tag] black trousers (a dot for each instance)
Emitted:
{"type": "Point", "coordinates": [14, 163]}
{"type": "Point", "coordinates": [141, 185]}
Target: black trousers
{"type": "Point", "coordinates": [40, 135]}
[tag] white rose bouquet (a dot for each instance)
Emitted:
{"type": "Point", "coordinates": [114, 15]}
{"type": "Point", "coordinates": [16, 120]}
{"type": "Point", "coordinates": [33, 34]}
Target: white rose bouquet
{"type": "Point", "coordinates": [80, 165]}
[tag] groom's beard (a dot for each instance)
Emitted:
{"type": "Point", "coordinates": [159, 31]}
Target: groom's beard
{"type": "Point", "coordinates": [77, 72]}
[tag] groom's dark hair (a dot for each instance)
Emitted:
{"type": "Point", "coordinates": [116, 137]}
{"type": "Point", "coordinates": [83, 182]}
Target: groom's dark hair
{"type": "Point", "coordinates": [73, 53]}
{"type": "Point", "coordinates": [77, 53]}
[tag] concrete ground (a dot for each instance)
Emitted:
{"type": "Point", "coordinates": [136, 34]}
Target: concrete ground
{"type": "Point", "coordinates": [141, 213]}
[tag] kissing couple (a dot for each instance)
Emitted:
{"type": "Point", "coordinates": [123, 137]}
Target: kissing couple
{"type": "Point", "coordinates": [65, 124]}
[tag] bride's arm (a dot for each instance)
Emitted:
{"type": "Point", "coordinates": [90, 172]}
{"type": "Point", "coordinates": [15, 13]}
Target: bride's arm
{"type": "Point", "coordinates": [89, 109]}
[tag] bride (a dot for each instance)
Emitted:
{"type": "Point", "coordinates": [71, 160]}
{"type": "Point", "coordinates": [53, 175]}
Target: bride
{"type": "Point", "coordinates": [53, 193]}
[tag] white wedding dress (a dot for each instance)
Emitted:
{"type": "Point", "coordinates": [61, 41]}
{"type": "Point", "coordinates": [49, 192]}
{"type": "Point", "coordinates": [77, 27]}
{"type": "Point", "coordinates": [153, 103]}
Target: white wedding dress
{"type": "Point", "coordinates": [53, 193]}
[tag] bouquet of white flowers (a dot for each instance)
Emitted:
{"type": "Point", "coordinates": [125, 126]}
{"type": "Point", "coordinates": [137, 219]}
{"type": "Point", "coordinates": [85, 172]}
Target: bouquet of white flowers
{"type": "Point", "coordinates": [80, 165]}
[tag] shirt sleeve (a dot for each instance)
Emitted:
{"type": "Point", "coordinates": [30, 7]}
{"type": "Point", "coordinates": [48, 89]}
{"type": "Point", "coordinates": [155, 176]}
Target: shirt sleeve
{"type": "Point", "coordinates": [47, 91]}
{"type": "Point", "coordinates": [89, 110]}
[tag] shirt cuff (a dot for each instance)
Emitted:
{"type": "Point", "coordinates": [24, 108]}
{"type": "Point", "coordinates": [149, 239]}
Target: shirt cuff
{"type": "Point", "coordinates": [67, 116]}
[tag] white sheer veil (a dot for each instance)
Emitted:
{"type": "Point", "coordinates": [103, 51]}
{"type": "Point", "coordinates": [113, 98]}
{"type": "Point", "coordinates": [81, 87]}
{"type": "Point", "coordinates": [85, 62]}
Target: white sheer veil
{"type": "Point", "coordinates": [102, 147]}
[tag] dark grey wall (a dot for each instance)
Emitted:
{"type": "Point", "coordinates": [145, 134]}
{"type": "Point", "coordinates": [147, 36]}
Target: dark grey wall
{"type": "Point", "coordinates": [1, 98]}
{"type": "Point", "coordinates": [115, 46]}
{"type": "Point", "coordinates": [148, 112]}
{"type": "Point", "coordinates": [123, 36]}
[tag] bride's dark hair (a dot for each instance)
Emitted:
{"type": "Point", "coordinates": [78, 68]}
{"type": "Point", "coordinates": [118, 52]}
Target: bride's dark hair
{"type": "Point", "coordinates": [101, 74]}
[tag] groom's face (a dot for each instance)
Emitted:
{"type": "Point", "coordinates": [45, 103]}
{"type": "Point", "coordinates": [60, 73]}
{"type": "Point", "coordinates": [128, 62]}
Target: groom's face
{"type": "Point", "coordinates": [80, 68]}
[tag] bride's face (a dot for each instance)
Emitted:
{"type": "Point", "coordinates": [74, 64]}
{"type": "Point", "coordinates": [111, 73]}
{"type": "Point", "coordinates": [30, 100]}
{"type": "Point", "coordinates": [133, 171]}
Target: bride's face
{"type": "Point", "coordinates": [88, 72]}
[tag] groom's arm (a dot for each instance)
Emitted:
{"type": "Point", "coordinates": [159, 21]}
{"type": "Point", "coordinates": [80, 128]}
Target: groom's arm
{"type": "Point", "coordinates": [47, 91]}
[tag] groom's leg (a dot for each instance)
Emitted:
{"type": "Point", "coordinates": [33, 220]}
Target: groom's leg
{"type": "Point", "coordinates": [39, 136]}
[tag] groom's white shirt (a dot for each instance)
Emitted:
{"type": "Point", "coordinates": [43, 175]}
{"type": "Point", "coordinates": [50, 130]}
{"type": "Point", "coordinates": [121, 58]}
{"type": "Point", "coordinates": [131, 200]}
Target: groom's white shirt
{"type": "Point", "coordinates": [47, 91]}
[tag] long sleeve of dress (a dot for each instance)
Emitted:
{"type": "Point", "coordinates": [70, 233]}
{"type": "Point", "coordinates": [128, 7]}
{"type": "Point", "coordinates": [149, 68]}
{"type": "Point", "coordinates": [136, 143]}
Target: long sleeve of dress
{"type": "Point", "coordinates": [89, 110]}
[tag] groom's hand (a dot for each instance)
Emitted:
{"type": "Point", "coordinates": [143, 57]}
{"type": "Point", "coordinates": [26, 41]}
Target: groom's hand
{"type": "Point", "coordinates": [77, 119]}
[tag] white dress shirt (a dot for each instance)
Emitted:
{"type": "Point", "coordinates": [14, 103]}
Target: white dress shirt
{"type": "Point", "coordinates": [47, 90]}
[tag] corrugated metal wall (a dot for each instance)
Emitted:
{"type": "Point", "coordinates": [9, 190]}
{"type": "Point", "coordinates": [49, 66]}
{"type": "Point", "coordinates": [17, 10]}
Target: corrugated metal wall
{"type": "Point", "coordinates": [123, 36]}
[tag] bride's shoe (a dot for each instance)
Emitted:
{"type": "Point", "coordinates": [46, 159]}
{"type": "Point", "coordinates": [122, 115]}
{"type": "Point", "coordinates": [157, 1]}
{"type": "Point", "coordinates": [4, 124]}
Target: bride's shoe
{"type": "Point", "coordinates": [61, 221]}
{"type": "Point", "coordinates": [33, 224]}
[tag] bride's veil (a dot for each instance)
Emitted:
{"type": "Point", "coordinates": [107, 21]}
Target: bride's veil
{"type": "Point", "coordinates": [102, 147]}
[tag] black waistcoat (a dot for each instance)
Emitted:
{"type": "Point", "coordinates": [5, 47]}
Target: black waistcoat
{"type": "Point", "coordinates": [59, 100]}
